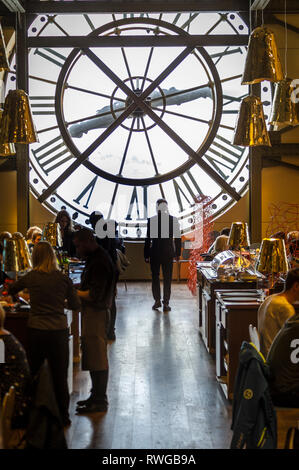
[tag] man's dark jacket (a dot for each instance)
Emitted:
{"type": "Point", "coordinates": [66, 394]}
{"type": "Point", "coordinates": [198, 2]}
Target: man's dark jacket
{"type": "Point", "coordinates": [163, 239]}
{"type": "Point", "coordinates": [254, 418]}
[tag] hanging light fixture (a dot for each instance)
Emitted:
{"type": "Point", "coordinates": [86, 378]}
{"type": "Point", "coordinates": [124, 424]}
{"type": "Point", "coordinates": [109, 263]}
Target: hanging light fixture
{"type": "Point", "coordinates": [285, 111]}
{"type": "Point", "coordinates": [17, 123]}
{"type": "Point", "coordinates": [4, 64]}
{"type": "Point", "coordinates": [6, 150]}
{"type": "Point", "coordinates": [251, 130]}
{"type": "Point", "coordinates": [262, 60]}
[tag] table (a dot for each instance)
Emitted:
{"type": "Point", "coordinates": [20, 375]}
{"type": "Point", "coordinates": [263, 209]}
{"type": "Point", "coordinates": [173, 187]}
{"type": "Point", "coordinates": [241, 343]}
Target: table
{"type": "Point", "coordinates": [208, 284]}
{"type": "Point", "coordinates": [235, 311]}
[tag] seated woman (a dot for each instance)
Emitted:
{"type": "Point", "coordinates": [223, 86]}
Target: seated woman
{"type": "Point", "coordinates": [283, 360]}
{"type": "Point", "coordinates": [36, 238]}
{"type": "Point", "coordinates": [14, 371]}
{"type": "Point", "coordinates": [276, 309]}
{"type": "Point", "coordinates": [221, 242]}
{"type": "Point", "coordinates": [30, 233]}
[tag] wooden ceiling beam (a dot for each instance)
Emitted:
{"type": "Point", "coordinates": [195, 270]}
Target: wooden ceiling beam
{"type": "Point", "coordinates": [138, 41]}
{"type": "Point", "coordinates": [152, 6]}
{"type": "Point", "coordinates": [141, 6]}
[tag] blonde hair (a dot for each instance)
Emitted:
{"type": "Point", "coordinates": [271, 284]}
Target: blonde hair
{"type": "Point", "coordinates": [2, 317]}
{"type": "Point", "coordinates": [31, 230]}
{"type": "Point", "coordinates": [221, 243]}
{"type": "Point", "coordinates": [44, 258]}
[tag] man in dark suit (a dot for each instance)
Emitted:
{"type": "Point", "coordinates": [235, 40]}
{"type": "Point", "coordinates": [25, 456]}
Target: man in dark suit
{"type": "Point", "coordinates": [162, 244]}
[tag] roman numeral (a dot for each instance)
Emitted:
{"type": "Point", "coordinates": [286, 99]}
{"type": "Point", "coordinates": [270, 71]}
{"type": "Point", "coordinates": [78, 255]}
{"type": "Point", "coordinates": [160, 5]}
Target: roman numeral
{"type": "Point", "coordinates": [51, 55]}
{"type": "Point", "coordinates": [135, 201]}
{"type": "Point", "coordinates": [135, 15]}
{"type": "Point", "coordinates": [87, 190]}
{"type": "Point", "coordinates": [89, 22]}
{"type": "Point", "coordinates": [52, 155]}
{"type": "Point", "coordinates": [186, 192]}
{"type": "Point", "coordinates": [42, 105]}
{"type": "Point", "coordinates": [223, 156]}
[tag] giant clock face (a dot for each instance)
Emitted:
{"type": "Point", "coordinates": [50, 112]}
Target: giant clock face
{"type": "Point", "coordinates": [124, 154]}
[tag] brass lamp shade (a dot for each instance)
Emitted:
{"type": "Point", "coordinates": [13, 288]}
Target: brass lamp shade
{"type": "Point", "coordinates": [10, 262]}
{"type": "Point", "coordinates": [284, 111]}
{"type": "Point", "coordinates": [6, 150]}
{"type": "Point", "coordinates": [262, 60]}
{"type": "Point", "coordinates": [251, 130]}
{"type": "Point", "coordinates": [23, 255]}
{"type": "Point", "coordinates": [4, 64]}
{"type": "Point", "coordinates": [17, 123]}
{"type": "Point", "coordinates": [52, 234]}
{"type": "Point", "coordinates": [273, 257]}
{"type": "Point", "coordinates": [238, 236]}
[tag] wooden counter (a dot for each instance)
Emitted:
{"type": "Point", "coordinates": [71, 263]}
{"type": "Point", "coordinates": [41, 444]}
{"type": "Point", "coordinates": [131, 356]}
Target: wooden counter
{"type": "Point", "coordinates": [235, 311]}
{"type": "Point", "coordinates": [208, 284]}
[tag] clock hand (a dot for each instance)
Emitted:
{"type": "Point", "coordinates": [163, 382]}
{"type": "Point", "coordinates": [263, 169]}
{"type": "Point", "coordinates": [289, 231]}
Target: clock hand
{"type": "Point", "coordinates": [172, 96]}
{"type": "Point", "coordinates": [103, 119]}
{"type": "Point", "coordinates": [177, 97]}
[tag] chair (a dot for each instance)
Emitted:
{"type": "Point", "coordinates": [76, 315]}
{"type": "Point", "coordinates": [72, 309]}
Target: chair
{"type": "Point", "coordinates": [286, 417]}
{"type": "Point", "coordinates": [6, 417]}
{"type": "Point", "coordinates": [254, 337]}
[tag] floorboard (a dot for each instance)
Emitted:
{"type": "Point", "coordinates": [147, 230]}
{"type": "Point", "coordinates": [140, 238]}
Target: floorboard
{"type": "Point", "coordinates": [162, 389]}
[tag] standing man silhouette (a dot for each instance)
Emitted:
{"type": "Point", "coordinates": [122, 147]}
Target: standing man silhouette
{"type": "Point", "coordinates": [162, 244]}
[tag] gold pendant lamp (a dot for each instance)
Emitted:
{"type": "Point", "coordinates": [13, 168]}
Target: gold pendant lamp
{"type": "Point", "coordinates": [6, 150]}
{"type": "Point", "coordinates": [251, 129]}
{"type": "Point", "coordinates": [262, 60]}
{"type": "Point", "coordinates": [17, 123]}
{"type": "Point", "coordinates": [285, 111]}
{"type": "Point", "coordinates": [285, 107]}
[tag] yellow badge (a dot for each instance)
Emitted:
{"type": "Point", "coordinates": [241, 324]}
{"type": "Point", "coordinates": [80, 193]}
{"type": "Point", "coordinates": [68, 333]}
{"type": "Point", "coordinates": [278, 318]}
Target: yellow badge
{"type": "Point", "coordinates": [248, 394]}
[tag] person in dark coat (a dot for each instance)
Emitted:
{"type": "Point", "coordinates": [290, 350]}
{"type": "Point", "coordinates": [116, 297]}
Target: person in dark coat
{"type": "Point", "coordinates": [65, 222]}
{"type": "Point", "coordinates": [110, 244]}
{"type": "Point", "coordinates": [283, 360]}
{"type": "Point", "coordinates": [162, 244]}
{"type": "Point", "coordinates": [96, 293]}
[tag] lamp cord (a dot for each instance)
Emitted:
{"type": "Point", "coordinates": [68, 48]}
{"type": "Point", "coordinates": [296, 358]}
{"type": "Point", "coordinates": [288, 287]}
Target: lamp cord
{"type": "Point", "coordinates": [286, 40]}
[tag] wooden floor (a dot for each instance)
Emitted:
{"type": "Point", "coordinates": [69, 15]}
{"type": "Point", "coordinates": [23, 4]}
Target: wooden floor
{"type": "Point", "coordinates": [162, 389]}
